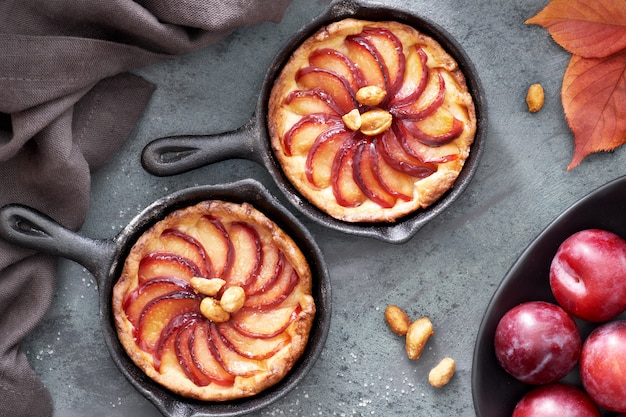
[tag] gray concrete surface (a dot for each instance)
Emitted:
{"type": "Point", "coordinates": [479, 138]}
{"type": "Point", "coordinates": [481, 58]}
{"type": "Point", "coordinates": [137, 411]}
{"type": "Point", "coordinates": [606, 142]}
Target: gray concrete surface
{"type": "Point", "coordinates": [447, 271]}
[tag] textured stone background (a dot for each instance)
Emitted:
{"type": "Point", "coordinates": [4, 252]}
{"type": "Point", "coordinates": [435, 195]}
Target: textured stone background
{"type": "Point", "coordinates": [447, 271]}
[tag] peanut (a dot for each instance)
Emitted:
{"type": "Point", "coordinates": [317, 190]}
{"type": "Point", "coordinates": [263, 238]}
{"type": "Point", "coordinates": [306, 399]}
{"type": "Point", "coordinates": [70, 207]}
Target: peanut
{"type": "Point", "coordinates": [417, 335]}
{"type": "Point", "coordinates": [535, 98]}
{"type": "Point", "coordinates": [372, 95]}
{"type": "Point", "coordinates": [232, 299]}
{"type": "Point", "coordinates": [441, 374]}
{"type": "Point", "coordinates": [212, 310]}
{"type": "Point", "coordinates": [375, 122]}
{"type": "Point", "coordinates": [207, 286]}
{"type": "Point", "coordinates": [352, 119]}
{"type": "Point", "coordinates": [397, 320]}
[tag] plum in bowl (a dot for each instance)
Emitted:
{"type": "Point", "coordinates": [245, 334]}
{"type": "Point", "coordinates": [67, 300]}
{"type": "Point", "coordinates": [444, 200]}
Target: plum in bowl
{"type": "Point", "coordinates": [495, 392]}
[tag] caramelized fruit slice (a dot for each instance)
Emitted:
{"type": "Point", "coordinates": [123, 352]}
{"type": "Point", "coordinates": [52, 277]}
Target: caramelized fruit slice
{"type": "Point", "coordinates": [252, 347]}
{"type": "Point", "coordinates": [396, 156]}
{"type": "Point", "coordinates": [277, 292]}
{"type": "Point", "coordinates": [419, 111]}
{"type": "Point", "coordinates": [265, 324]}
{"type": "Point", "coordinates": [175, 241]}
{"type": "Point", "coordinates": [347, 192]}
{"type": "Point", "coordinates": [334, 60]}
{"type": "Point", "coordinates": [183, 347]}
{"type": "Point", "coordinates": [367, 175]}
{"type": "Point", "coordinates": [363, 54]}
{"type": "Point", "coordinates": [159, 312]}
{"type": "Point", "coordinates": [416, 147]}
{"type": "Point", "coordinates": [160, 264]}
{"type": "Point", "coordinates": [416, 78]}
{"type": "Point", "coordinates": [273, 263]}
{"type": "Point", "coordinates": [247, 254]}
{"type": "Point", "coordinates": [233, 362]}
{"type": "Point", "coordinates": [394, 181]}
{"type": "Point", "coordinates": [301, 136]}
{"type": "Point", "coordinates": [206, 357]}
{"type": "Point", "coordinates": [175, 347]}
{"type": "Point", "coordinates": [319, 163]}
{"type": "Point", "coordinates": [210, 232]}
{"type": "Point", "coordinates": [164, 355]}
{"type": "Point", "coordinates": [389, 53]}
{"type": "Point", "coordinates": [305, 102]}
{"type": "Point", "coordinates": [139, 298]}
{"type": "Point", "coordinates": [439, 129]}
{"type": "Point", "coordinates": [334, 84]}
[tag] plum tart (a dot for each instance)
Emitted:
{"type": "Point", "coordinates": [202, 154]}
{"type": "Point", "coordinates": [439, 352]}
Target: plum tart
{"type": "Point", "coordinates": [370, 120]}
{"type": "Point", "coordinates": [214, 302]}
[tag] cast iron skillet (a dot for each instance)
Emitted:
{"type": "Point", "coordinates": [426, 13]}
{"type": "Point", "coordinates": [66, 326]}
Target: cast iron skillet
{"type": "Point", "coordinates": [495, 392]}
{"type": "Point", "coordinates": [176, 154]}
{"type": "Point", "coordinates": [105, 259]}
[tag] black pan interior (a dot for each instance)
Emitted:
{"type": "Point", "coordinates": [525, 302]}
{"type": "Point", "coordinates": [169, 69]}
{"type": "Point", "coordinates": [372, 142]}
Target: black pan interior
{"type": "Point", "coordinates": [406, 227]}
{"type": "Point", "coordinates": [243, 191]}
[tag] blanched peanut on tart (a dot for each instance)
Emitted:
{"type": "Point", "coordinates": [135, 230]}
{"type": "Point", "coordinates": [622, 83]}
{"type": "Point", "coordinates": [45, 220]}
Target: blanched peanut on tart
{"type": "Point", "coordinates": [372, 95]}
{"type": "Point", "coordinates": [535, 98]}
{"type": "Point", "coordinates": [375, 122]}
{"type": "Point", "coordinates": [417, 335]}
{"type": "Point", "coordinates": [441, 374]}
{"type": "Point", "coordinates": [352, 119]}
{"type": "Point", "coordinates": [371, 123]}
{"type": "Point", "coordinates": [207, 286]}
{"type": "Point", "coordinates": [233, 299]}
{"type": "Point", "coordinates": [216, 310]}
{"type": "Point", "coordinates": [397, 320]}
{"type": "Point", "coordinates": [212, 310]}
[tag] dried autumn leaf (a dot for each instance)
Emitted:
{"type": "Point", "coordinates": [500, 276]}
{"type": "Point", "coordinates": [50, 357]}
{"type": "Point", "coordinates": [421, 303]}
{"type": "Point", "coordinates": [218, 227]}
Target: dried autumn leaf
{"type": "Point", "coordinates": [591, 29]}
{"type": "Point", "coordinates": [594, 96]}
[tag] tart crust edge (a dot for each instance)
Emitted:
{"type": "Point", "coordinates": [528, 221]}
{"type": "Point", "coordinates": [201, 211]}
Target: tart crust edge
{"type": "Point", "coordinates": [427, 190]}
{"type": "Point", "coordinates": [278, 365]}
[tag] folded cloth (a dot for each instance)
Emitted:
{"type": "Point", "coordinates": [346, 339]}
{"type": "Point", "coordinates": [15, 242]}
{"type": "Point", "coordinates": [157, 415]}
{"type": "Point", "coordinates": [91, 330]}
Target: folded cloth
{"type": "Point", "coordinates": [67, 103]}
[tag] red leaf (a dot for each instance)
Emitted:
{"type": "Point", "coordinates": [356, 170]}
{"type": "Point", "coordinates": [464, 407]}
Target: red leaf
{"type": "Point", "coordinates": [591, 29]}
{"type": "Point", "coordinates": [594, 99]}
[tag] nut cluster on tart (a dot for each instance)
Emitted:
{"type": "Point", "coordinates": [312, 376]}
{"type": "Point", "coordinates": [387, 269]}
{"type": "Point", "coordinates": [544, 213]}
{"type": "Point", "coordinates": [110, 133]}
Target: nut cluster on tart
{"type": "Point", "coordinates": [214, 302]}
{"type": "Point", "coordinates": [371, 121]}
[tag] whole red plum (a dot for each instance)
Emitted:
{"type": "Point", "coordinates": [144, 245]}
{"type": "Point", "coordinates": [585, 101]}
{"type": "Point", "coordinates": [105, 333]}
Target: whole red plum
{"type": "Point", "coordinates": [603, 366]}
{"type": "Point", "coordinates": [588, 275]}
{"type": "Point", "coordinates": [556, 400]}
{"type": "Point", "coordinates": [537, 342]}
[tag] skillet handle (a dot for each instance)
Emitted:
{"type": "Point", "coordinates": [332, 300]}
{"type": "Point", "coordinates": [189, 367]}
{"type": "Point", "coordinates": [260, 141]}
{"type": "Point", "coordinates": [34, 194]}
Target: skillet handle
{"type": "Point", "coordinates": [173, 155]}
{"type": "Point", "coordinates": [32, 229]}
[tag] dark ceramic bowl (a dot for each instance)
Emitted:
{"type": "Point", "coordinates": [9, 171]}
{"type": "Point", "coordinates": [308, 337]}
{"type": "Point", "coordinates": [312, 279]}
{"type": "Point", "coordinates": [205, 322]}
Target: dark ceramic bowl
{"type": "Point", "coordinates": [495, 392]}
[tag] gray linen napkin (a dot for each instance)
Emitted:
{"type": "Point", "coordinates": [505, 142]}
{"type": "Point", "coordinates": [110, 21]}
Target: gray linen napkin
{"type": "Point", "coordinates": [67, 102]}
